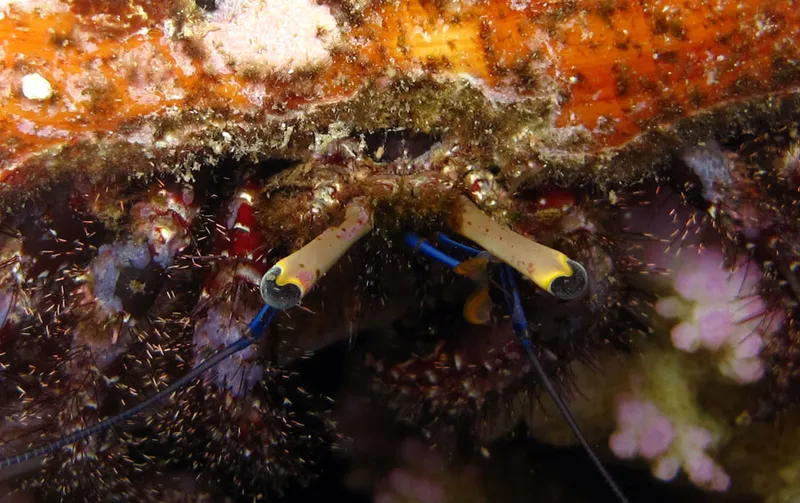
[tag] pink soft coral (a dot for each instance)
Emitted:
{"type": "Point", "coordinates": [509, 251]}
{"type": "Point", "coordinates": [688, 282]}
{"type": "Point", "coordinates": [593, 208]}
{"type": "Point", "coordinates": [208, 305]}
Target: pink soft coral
{"type": "Point", "coordinates": [666, 443]}
{"type": "Point", "coordinates": [722, 311]}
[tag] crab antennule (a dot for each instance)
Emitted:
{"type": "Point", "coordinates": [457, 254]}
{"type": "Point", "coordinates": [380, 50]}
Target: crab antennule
{"type": "Point", "coordinates": [447, 240]}
{"type": "Point", "coordinates": [520, 323]}
{"type": "Point", "coordinates": [550, 269]}
{"type": "Point", "coordinates": [429, 251]}
{"type": "Point", "coordinates": [288, 281]}
{"type": "Point", "coordinates": [256, 328]}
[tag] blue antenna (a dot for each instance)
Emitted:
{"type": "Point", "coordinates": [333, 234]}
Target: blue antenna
{"type": "Point", "coordinates": [520, 323]}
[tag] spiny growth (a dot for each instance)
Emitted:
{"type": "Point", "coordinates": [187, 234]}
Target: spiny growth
{"type": "Point", "coordinates": [121, 330]}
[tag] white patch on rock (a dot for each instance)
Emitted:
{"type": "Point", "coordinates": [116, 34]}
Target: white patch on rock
{"type": "Point", "coordinates": [35, 87]}
{"type": "Point", "coordinates": [269, 35]}
{"type": "Point", "coordinates": [42, 6]}
{"type": "Point", "coordinates": [519, 5]}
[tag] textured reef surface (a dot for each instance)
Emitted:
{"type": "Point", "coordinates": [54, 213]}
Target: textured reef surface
{"type": "Point", "coordinates": [158, 157]}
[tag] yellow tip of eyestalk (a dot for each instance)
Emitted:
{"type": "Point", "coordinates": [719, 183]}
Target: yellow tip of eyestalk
{"type": "Point", "coordinates": [550, 269]}
{"type": "Point", "coordinates": [288, 281]}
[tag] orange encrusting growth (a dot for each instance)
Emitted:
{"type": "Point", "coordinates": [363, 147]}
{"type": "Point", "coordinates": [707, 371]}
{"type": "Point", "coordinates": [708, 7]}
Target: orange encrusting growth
{"type": "Point", "coordinates": [615, 67]}
{"type": "Point", "coordinates": [659, 60]}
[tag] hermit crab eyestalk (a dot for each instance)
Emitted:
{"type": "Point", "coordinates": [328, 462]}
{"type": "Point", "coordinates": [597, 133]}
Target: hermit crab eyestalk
{"type": "Point", "coordinates": [288, 281]}
{"type": "Point", "coordinates": [550, 269]}
{"type": "Point", "coordinates": [280, 296]}
{"type": "Point", "coordinates": [570, 287]}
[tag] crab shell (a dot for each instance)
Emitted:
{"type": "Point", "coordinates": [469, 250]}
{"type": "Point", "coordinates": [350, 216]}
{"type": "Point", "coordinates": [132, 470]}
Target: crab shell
{"type": "Point", "coordinates": [94, 87]}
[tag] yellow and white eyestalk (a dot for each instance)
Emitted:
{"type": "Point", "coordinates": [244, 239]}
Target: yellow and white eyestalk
{"type": "Point", "coordinates": [288, 281]}
{"type": "Point", "coordinates": [550, 269]}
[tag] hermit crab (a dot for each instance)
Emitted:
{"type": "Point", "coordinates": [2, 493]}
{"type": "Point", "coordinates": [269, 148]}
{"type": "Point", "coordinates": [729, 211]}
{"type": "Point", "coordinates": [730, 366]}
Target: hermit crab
{"type": "Point", "coordinates": [399, 251]}
{"type": "Point", "coordinates": [125, 279]}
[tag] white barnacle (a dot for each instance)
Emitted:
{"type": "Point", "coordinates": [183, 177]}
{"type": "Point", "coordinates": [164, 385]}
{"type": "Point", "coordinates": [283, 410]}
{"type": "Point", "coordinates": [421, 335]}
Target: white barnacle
{"type": "Point", "coordinates": [36, 88]}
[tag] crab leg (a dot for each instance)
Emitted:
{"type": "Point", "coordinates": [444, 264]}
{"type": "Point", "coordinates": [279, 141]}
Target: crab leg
{"type": "Point", "coordinates": [230, 295]}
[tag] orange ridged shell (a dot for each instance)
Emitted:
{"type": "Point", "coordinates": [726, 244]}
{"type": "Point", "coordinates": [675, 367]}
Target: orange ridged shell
{"type": "Point", "coordinates": [616, 68]}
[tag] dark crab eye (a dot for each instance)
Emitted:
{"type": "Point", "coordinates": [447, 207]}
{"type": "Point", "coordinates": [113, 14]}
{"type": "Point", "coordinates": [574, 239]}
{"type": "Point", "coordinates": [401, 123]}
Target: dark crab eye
{"type": "Point", "coordinates": [276, 295]}
{"type": "Point", "coordinates": [570, 287]}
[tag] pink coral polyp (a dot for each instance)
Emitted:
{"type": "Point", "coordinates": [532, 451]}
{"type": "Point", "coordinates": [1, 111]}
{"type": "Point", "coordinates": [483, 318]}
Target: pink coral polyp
{"type": "Point", "coordinates": [721, 311]}
{"type": "Point", "coordinates": [667, 441]}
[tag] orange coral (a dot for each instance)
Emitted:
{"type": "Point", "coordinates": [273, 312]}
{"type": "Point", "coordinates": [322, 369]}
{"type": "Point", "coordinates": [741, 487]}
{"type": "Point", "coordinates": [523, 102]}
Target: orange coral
{"type": "Point", "coordinates": [613, 67]}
